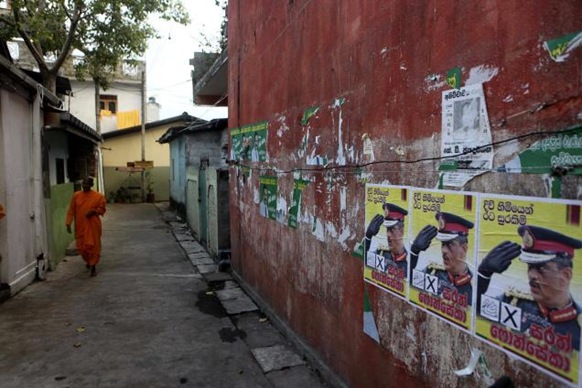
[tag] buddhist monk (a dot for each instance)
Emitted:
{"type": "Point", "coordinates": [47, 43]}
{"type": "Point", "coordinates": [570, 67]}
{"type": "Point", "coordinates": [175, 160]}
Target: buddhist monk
{"type": "Point", "coordinates": [85, 208]}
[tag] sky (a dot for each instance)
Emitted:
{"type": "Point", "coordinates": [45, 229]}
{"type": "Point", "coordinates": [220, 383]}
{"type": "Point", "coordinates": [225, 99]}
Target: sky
{"type": "Point", "coordinates": [167, 60]}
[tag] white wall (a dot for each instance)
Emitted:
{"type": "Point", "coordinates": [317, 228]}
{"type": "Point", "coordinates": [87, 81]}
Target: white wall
{"type": "Point", "coordinates": [17, 267]}
{"type": "Point", "coordinates": [82, 105]}
{"type": "Point", "coordinates": [59, 149]}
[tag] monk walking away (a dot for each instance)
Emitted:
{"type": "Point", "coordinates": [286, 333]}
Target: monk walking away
{"type": "Point", "coordinates": [85, 209]}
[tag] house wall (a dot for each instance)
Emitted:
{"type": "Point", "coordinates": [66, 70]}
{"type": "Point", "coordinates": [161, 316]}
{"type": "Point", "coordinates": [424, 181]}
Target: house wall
{"type": "Point", "coordinates": [178, 173]}
{"type": "Point", "coordinates": [377, 71]}
{"type": "Point", "coordinates": [160, 176]}
{"type": "Point", "coordinates": [58, 150]}
{"type": "Point", "coordinates": [82, 105]}
{"type": "Point", "coordinates": [217, 191]}
{"type": "Point", "coordinates": [217, 212]}
{"type": "Point", "coordinates": [204, 146]}
{"type": "Point", "coordinates": [17, 267]}
{"type": "Point", "coordinates": [119, 150]}
{"type": "Point", "coordinates": [192, 200]}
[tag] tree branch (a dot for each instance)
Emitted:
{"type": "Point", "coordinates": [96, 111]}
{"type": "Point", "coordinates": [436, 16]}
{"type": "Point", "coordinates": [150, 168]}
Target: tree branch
{"type": "Point", "coordinates": [65, 51]}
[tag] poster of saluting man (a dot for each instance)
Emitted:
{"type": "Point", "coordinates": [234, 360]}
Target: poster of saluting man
{"type": "Point", "coordinates": [529, 281]}
{"type": "Point", "coordinates": [386, 257]}
{"type": "Point", "coordinates": [442, 254]}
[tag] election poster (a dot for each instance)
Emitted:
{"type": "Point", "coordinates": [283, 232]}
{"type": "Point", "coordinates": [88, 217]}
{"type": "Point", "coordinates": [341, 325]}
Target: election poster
{"type": "Point", "coordinates": [529, 281]}
{"type": "Point", "coordinates": [386, 226]}
{"type": "Point", "coordinates": [268, 196]}
{"type": "Point", "coordinates": [443, 253]}
{"type": "Point", "coordinates": [466, 135]}
{"type": "Point", "coordinates": [295, 209]}
{"type": "Point", "coordinates": [249, 142]}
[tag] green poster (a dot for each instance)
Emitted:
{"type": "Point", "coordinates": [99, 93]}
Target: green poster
{"type": "Point", "coordinates": [298, 187]}
{"type": "Point", "coordinates": [235, 144]}
{"type": "Point", "coordinates": [454, 78]}
{"type": "Point", "coordinates": [268, 196]}
{"type": "Point", "coordinates": [559, 49]}
{"type": "Point", "coordinates": [562, 151]}
{"type": "Point", "coordinates": [249, 142]}
{"type": "Point", "coordinates": [308, 113]}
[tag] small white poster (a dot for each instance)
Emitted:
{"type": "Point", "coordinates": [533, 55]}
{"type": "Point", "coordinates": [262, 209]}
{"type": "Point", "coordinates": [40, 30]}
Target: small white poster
{"type": "Point", "coordinates": [466, 135]}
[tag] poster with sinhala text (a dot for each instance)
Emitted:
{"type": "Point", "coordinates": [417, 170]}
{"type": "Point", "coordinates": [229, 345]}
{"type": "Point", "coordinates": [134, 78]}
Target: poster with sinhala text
{"type": "Point", "coordinates": [249, 142]}
{"type": "Point", "coordinates": [386, 226]}
{"type": "Point", "coordinates": [295, 209]}
{"type": "Point", "coordinates": [443, 253]}
{"type": "Point", "coordinates": [530, 281]}
{"type": "Point", "coordinates": [466, 135]}
{"type": "Point", "coordinates": [268, 196]}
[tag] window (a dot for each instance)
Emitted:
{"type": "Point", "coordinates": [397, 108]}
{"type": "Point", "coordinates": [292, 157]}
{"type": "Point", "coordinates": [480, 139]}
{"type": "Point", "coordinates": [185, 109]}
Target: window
{"type": "Point", "coordinates": [60, 171]}
{"type": "Point", "coordinates": [108, 102]}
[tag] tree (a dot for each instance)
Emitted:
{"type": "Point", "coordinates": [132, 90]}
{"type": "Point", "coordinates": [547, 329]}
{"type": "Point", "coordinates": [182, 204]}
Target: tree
{"type": "Point", "coordinates": [106, 31]}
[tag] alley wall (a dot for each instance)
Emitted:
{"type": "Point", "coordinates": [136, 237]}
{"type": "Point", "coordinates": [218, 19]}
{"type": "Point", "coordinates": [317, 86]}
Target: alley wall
{"type": "Point", "coordinates": [336, 95]}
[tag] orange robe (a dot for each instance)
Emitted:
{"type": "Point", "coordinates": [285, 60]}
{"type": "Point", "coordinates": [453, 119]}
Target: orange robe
{"type": "Point", "coordinates": [87, 230]}
{"type": "Point", "coordinates": [2, 214]}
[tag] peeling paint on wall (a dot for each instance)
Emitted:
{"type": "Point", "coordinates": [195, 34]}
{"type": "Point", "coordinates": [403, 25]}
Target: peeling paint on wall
{"type": "Point", "coordinates": [318, 230]}
{"type": "Point", "coordinates": [434, 82]}
{"type": "Point", "coordinates": [281, 210]}
{"type": "Point", "coordinates": [341, 159]}
{"type": "Point", "coordinates": [481, 74]}
{"type": "Point", "coordinates": [283, 127]}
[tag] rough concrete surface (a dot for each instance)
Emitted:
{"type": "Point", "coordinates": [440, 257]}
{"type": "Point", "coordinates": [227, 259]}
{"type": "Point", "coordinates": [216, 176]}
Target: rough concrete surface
{"type": "Point", "coordinates": [147, 320]}
{"type": "Point", "coordinates": [276, 357]}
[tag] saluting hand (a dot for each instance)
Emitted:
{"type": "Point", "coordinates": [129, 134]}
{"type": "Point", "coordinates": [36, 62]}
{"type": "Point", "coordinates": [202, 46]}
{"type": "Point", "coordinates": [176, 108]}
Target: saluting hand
{"type": "Point", "coordinates": [499, 259]}
{"type": "Point", "coordinates": [374, 226]}
{"type": "Point", "coordinates": [423, 239]}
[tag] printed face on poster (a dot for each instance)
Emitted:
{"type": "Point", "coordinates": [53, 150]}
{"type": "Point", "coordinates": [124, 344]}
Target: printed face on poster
{"type": "Point", "coordinates": [249, 142]}
{"type": "Point", "coordinates": [530, 283]}
{"type": "Point", "coordinates": [386, 225]}
{"type": "Point", "coordinates": [268, 197]}
{"type": "Point", "coordinates": [442, 279]}
{"type": "Point", "coordinates": [295, 209]}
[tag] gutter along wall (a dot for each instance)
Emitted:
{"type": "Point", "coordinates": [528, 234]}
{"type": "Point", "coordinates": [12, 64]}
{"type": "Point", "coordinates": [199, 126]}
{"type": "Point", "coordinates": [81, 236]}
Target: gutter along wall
{"type": "Point", "coordinates": [352, 93]}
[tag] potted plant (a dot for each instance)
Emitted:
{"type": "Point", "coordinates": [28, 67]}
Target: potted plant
{"type": "Point", "coordinates": [150, 196]}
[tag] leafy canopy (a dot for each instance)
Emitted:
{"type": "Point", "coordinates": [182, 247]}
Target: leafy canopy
{"type": "Point", "coordinates": [106, 31]}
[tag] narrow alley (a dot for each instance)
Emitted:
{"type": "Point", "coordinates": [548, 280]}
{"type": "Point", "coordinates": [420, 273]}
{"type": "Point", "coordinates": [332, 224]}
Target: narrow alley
{"type": "Point", "coordinates": [156, 315]}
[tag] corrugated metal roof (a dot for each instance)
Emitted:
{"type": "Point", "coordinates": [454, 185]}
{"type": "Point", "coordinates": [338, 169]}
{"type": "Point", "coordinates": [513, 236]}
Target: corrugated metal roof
{"type": "Point", "coordinates": [172, 133]}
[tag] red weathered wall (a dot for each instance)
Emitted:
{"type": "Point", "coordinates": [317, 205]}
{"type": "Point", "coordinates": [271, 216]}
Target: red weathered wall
{"type": "Point", "coordinates": [387, 59]}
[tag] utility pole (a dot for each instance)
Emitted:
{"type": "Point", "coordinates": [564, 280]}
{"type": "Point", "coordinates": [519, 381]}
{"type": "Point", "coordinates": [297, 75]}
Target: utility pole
{"type": "Point", "coordinates": [143, 123]}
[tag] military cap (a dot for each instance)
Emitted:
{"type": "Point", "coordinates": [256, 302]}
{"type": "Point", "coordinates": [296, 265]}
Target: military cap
{"type": "Point", "coordinates": [451, 226]}
{"type": "Point", "coordinates": [540, 245]}
{"type": "Point", "coordinates": [395, 214]}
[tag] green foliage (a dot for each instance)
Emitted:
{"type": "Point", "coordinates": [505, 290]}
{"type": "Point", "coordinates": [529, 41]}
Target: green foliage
{"type": "Point", "coordinates": [106, 31]}
{"type": "Point", "coordinates": [223, 42]}
{"type": "Point", "coordinates": [211, 43]}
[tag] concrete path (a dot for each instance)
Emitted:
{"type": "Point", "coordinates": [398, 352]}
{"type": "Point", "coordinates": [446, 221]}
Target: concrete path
{"type": "Point", "coordinates": [156, 315]}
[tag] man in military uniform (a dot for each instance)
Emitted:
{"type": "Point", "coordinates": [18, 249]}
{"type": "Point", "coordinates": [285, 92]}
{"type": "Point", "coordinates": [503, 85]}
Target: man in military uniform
{"type": "Point", "coordinates": [548, 255]}
{"type": "Point", "coordinates": [453, 273]}
{"type": "Point", "coordinates": [393, 219]}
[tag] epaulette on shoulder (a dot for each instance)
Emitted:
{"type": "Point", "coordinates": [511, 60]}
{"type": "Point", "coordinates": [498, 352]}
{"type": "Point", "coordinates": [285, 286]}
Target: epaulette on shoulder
{"type": "Point", "coordinates": [436, 266]}
{"type": "Point", "coordinates": [517, 294]}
